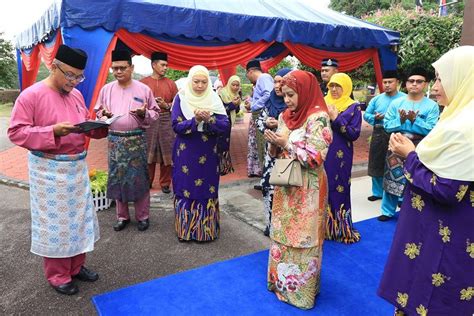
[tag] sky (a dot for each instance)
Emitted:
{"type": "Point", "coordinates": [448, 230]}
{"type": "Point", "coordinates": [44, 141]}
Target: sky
{"type": "Point", "coordinates": [17, 15]}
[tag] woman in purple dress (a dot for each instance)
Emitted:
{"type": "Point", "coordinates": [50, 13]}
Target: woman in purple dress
{"type": "Point", "coordinates": [198, 119]}
{"type": "Point", "coordinates": [430, 268]}
{"type": "Point", "coordinates": [346, 120]}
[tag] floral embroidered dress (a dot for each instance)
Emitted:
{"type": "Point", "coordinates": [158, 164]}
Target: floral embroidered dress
{"type": "Point", "coordinates": [196, 175]}
{"type": "Point", "coordinates": [298, 219]}
{"type": "Point", "coordinates": [430, 269]}
{"type": "Point", "coordinates": [346, 129]}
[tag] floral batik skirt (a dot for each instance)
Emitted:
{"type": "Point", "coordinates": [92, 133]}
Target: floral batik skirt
{"type": "Point", "coordinates": [294, 274]}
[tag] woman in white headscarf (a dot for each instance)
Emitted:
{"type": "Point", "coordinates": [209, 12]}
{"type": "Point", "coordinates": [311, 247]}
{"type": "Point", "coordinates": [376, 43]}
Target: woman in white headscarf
{"type": "Point", "coordinates": [430, 268]}
{"type": "Point", "coordinates": [231, 98]}
{"type": "Point", "coordinates": [198, 119]}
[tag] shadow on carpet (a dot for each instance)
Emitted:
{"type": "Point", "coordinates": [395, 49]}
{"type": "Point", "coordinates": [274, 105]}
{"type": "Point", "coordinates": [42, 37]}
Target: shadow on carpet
{"type": "Point", "coordinates": [350, 277]}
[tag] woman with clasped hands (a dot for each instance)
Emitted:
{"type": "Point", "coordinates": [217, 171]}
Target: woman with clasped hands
{"type": "Point", "coordinates": [430, 268]}
{"type": "Point", "coordinates": [346, 120]}
{"type": "Point", "coordinates": [298, 214]}
{"type": "Point", "coordinates": [198, 119]}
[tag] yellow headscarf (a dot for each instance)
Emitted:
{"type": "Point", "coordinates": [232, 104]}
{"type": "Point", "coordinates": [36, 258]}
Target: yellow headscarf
{"type": "Point", "coordinates": [345, 100]}
{"type": "Point", "coordinates": [190, 101]}
{"type": "Point", "coordinates": [227, 95]}
{"type": "Point", "coordinates": [448, 150]}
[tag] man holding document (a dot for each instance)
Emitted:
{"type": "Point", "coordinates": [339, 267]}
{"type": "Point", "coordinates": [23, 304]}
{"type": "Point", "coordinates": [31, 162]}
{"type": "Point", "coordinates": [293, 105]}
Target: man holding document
{"type": "Point", "coordinates": [63, 220]}
{"type": "Point", "coordinates": [134, 102]}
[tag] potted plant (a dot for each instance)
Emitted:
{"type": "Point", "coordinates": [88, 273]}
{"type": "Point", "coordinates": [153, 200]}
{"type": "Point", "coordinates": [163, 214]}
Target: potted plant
{"type": "Point", "coordinates": [98, 180]}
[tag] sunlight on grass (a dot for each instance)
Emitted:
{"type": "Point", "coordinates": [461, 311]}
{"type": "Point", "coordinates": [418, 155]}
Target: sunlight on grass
{"type": "Point", "coordinates": [6, 109]}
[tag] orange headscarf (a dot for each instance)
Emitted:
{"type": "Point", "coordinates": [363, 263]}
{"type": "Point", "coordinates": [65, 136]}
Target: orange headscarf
{"type": "Point", "coordinates": [310, 98]}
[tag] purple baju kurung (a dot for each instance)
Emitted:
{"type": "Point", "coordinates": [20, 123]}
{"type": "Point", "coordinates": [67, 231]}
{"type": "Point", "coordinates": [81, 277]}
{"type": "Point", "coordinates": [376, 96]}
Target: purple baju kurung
{"type": "Point", "coordinates": [338, 165]}
{"type": "Point", "coordinates": [431, 263]}
{"type": "Point", "coordinates": [196, 175]}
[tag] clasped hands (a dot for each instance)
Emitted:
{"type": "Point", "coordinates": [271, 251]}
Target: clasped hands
{"type": "Point", "coordinates": [162, 103]}
{"type": "Point", "coordinates": [332, 112]}
{"type": "Point", "coordinates": [410, 115]}
{"type": "Point", "coordinates": [271, 122]}
{"type": "Point", "coordinates": [379, 116]}
{"type": "Point", "coordinates": [236, 100]}
{"type": "Point", "coordinates": [275, 138]}
{"type": "Point", "coordinates": [140, 112]}
{"type": "Point", "coordinates": [400, 145]}
{"type": "Point", "coordinates": [202, 116]}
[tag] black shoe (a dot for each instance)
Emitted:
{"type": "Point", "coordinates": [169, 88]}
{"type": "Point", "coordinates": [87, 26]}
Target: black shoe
{"type": "Point", "coordinates": [143, 225]}
{"type": "Point", "coordinates": [166, 189]}
{"type": "Point", "coordinates": [66, 289]}
{"type": "Point", "coordinates": [86, 275]}
{"type": "Point", "coordinates": [257, 187]}
{"type": "Point", "coordinates": [373, 198]}
{"type": "Point", "coordinates": [183, 240]}
{"type": "Point", "coordinates": [384, 218]}
{"type": "Point", "coordinates": [121, 224]}
{"type": "Point", "coordinates": [267, 231]}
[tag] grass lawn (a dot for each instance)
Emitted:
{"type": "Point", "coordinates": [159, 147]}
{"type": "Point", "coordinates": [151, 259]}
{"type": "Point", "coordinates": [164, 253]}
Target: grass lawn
{"type": "Point", "coordinates": [6, 109]}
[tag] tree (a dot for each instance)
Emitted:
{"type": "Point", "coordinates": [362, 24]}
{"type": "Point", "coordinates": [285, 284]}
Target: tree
{"type": "Point", "coordinates": [424, 36]}
{"type": "Point", "coordinates": [8, 70]}
{"type": "Point", "coordinates": [360, 8]}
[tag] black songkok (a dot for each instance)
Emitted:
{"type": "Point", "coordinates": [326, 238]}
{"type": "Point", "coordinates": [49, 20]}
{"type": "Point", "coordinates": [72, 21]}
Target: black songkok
{"type": "Point", "coordinates": [121, 55]}
{"type": "Point", "coordinates": [254, 63]}
{"type": "Point", "coordinates": [73, 57]}
{"type": "Point", "coordinates": [418, 71]}
{"type": "Point", "coordinates": [390, 74]}
{"type": "Point", "coordinates": [330, 62]}
{"type": "Point", "coordinates": [159, 56]}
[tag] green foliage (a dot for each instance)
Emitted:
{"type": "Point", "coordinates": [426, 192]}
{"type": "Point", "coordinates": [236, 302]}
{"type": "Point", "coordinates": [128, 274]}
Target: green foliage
{"type": "Point", "coordinates": [176, 74]}
{"type": "Point", "coordinates": [43, 72]}
{"type": "Point", "coordinates": [6, 109]}
{"type": "Point", "coordinates": [8, 69]}
{"type": "Point", "coordinates": [285, 63]}
{"type": "Point", "coordinates": [424, 36]}
{"type": "Point", "coordinates": [98, 180]}
{"type": "Point", "coordinates": [360, 8]}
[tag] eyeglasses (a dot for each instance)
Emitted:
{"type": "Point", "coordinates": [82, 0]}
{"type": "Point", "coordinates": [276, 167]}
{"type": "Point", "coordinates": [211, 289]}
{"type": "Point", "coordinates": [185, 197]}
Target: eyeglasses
{"type": "Point", "coordinates": [121, 68]}
{"type": "Point", "coordinates": [71, 77]}
{"type": "Point", "coordinates": [418, 81]}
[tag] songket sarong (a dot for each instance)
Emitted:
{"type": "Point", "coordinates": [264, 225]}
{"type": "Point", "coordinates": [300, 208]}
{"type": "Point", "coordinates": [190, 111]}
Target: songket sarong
{"type": "Point", "coordinates": [128, 178]}
{"type": "Point", "coordinates": [197, 219]}
{"type": "Point", "coordinates": [160, 139]}
{"type": "Point", "coordinates": [378, 151]}
{"type": "Point", "coordinates": [63, 219]}
{"type": "Point", "coordinates": [394, 180]}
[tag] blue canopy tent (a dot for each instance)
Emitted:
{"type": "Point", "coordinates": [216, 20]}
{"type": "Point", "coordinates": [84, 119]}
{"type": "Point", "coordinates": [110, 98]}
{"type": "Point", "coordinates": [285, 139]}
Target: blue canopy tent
{"type": "Point", "coordinates": [217, 34]}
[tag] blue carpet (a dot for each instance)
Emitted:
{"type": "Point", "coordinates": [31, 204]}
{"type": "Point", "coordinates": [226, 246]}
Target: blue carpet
{"type": "Point", "coordinates": [350, 277]}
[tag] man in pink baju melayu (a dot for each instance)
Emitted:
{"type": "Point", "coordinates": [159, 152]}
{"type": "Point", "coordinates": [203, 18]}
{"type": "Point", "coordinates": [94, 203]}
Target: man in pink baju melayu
{"type": "Point", "coordinates": [63, 220]}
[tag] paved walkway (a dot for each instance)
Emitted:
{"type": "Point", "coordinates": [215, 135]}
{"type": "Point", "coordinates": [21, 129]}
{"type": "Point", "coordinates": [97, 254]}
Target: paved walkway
{"type": "Point", "coordinates": [13, 159]}
{"type": "Point", "coordinates": [129, 257]}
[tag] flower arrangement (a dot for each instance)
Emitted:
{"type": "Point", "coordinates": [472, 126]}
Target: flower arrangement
{"type": "Point", "coordinates": [98, 180]}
